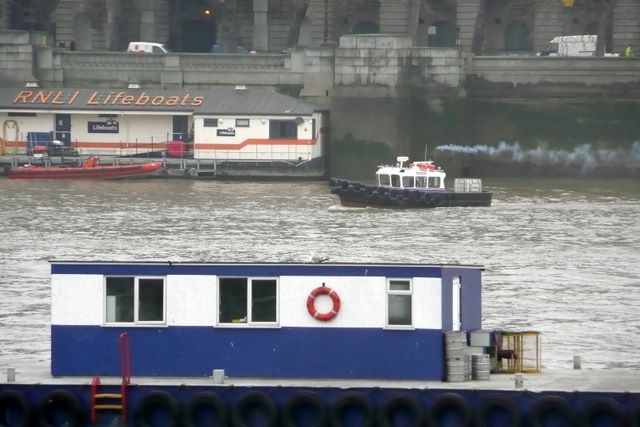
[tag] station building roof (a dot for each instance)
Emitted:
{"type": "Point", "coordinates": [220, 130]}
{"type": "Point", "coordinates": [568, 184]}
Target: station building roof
{"type": "Point", "coordinates": [220, 101]}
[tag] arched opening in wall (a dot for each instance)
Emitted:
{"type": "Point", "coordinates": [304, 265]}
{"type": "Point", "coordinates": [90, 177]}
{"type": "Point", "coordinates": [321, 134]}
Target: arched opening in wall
{"type": "Point", "coordinates": [442, 34]}
{"type": "Point", "coordinates": [198, 34]}
{"type": "Point", "coordinates": [517, 38]}
{"type": "Point", "coordinates": [366, 27]}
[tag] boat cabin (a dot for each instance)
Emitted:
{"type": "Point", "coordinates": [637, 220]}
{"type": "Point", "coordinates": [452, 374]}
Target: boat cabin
{"type": "Point", "coordinates": [417, 175]}
{"type": "Point", "coordinates": [261, 320]}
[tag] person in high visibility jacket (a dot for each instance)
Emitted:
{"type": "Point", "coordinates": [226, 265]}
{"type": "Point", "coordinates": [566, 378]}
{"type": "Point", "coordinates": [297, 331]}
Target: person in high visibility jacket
{"type": "Point", "coordinates": [628, 52]}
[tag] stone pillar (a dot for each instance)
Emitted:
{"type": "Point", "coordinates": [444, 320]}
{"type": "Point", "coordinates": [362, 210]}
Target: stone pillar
{"type": "Point", "coordinates": [4, 18]}
{"type": "Point", "coordinates": [467, 14]}
{"type": "Point", "coordinates": [260, 25]}
{"type": "Point", "coordinates": [148, 20]}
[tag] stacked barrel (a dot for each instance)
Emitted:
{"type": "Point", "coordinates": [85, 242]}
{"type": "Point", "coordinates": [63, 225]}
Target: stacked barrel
{"type": "Point", "coordinates": [463, 364]}
{"type": "Point", "coordinates": [457, 356]}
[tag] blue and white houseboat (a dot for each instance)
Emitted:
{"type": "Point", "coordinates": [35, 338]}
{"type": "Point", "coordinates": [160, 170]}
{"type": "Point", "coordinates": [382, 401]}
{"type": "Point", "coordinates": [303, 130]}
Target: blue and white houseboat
{"type": "Point", "coordinates": [284, 344]}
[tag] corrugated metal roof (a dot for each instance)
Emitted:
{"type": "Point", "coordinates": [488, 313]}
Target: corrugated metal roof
{"type": "Point", "coordinates": [252, 101]}
{"type": "Point", "coordinates": [212, 101]}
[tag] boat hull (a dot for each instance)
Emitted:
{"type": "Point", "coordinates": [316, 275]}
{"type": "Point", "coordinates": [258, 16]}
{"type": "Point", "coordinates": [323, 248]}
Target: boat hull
{"type": "Point", "coordinates": [102, 172]}
{"type": "Point", "coordinates": [355, 194]}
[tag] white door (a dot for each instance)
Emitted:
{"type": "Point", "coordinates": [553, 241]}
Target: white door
{"type": "Point", "coordinates": [455, 300]}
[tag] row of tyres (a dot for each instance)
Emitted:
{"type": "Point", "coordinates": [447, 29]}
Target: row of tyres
{"type": "Point", "coordinates": [252, 408]}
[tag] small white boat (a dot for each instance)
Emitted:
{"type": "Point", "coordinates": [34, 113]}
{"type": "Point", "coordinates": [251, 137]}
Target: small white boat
{"type": "Point", "coordinates": [417, 185]}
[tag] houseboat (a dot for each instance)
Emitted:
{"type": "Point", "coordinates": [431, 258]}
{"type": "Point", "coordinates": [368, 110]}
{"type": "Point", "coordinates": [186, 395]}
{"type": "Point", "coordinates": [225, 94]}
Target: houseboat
{"type": "Point", "coordinates": [287, 344]}
{"type": "Point", "coordinates": [419, 184]}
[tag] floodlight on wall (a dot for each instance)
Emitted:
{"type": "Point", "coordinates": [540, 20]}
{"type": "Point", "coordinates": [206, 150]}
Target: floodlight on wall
{"type": "Point", "coordinates": [241, 87]}
{"type": "Point", "coordinates": [134, 84]}
{"type": "Point", "coordinates": [32, 83]}
{"type": "Point", "coordinates": [299, 120]}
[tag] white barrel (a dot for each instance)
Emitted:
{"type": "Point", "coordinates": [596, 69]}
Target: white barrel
{"type": "Point", "coordinates": [480, 367]}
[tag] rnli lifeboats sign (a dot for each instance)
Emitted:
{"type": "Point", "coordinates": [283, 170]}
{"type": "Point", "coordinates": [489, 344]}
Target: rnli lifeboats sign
{"type": "Point", "coordinates": [226, 132]}
{"type": "Point", "coordinates": [103, 127]}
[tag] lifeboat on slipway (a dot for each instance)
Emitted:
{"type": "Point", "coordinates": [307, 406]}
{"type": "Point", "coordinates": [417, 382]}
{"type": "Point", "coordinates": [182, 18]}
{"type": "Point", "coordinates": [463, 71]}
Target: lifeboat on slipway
{"type": "Point", "coordinates": [419, 184]}
{"type": "Point", "coordinates": [90, 168]}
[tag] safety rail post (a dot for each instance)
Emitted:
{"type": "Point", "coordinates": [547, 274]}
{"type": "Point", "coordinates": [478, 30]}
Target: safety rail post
{"type": "Point", "coordinates": [95, 382]}
{"type": "Point", "coordinates": [125, 366]}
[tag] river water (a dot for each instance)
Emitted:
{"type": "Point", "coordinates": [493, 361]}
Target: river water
{"type": "Point", "coordinates": [562, 256]}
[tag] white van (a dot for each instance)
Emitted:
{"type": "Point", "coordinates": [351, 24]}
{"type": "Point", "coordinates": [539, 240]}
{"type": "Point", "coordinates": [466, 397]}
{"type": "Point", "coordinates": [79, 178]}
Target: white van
{"type": "Point", "coordinates": [147, 47]}
{"type": "Point", "coordinates": [582, 45]}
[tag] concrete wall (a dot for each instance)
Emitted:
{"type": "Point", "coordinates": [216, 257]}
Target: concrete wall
{"type": "Point", "coordinates": [16, 58]}
{"type": "Point", "coordinates": [361, 66]}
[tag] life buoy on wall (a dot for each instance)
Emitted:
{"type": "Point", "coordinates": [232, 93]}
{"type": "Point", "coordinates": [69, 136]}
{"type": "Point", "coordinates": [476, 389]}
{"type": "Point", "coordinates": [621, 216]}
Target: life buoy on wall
{"type": "Point", "coordinates": [311, 303]}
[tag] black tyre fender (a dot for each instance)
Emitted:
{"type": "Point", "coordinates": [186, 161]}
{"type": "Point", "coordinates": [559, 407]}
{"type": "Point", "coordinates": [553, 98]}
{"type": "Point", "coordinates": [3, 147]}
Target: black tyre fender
{"type": "Point", "coordinates": [210, 400]}
{"type": "Point", "coordinates": [453, 402]}
{"type": "Point", "coordinates": [15, 402]}
{"type": "Point", "coordinates": [597, 407]}
{"type": "Point", "coordinates": [394, 195]}
{"type": "Point", "coordinates": [60, 400]}
{"type": "Point", "coordinates": [401, 401]}
{"type": "Point", "coordinates": [501, 402]}
{"type": "Point", "coordinates": [157, 399]}
{"type": "Point", "coordinates": [357, 399]}
{"type": "Point", "coordinates": [551, 404]}
{"type": "Point", "coordinates": [254, 399]}
{"type": "Point", "coordinates": [301, 399]}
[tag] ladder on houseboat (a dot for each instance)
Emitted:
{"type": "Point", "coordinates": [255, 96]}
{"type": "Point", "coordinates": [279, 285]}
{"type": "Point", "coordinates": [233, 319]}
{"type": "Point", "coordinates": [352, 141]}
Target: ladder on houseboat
{"type": "Point", "coordinates": [113, 401]}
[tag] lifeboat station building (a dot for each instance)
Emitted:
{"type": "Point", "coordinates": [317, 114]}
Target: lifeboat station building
{"type": "Point", "coordinates": [237, 125]}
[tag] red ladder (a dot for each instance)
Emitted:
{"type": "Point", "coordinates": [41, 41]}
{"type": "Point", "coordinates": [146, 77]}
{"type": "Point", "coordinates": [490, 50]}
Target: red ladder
{"type": "Point", "coordinates": [125, 366]}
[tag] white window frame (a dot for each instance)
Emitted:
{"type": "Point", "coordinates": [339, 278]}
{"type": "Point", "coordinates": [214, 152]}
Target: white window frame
{"type": "Point", "coordinates": [390, 292]}
{"type": "Point", "coordinates": [136, 303]}
{"type": "Point", "coordinates": [249, 323]}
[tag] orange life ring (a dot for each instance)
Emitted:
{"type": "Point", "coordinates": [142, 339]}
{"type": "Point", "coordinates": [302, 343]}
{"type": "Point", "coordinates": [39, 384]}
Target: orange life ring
{"type": "Point", "coordinates": [311, 307]}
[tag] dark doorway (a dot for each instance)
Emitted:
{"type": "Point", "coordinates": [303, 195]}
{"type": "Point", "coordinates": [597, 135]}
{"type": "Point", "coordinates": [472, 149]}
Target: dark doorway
{"type": "Point", "coordinates": [180, 128]}
{"type": "Point", "coordinates": [63, 129]}
{"type": "Point", "coordinates": [445, 35]}
{"type": "Point", "coordinates": [198, 35]}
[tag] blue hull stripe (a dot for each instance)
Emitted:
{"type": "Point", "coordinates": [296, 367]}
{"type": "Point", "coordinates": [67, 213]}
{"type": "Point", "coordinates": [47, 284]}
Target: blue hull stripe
{"type": "Point", "coordinates": [163, 269]}
{"type": "Point", "coordinates": [267, 353]}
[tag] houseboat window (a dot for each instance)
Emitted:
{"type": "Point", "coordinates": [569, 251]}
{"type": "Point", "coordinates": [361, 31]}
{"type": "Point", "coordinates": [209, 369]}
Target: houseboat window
{"type": "Point", "coordinates": [395, 180]}
{"type": "Point", "coordinates": [399, 302]}
{"type": "Point", "coordinates": [434, 181]}
{"type": "Point", "coordinates": [407, 182]}
{"type": "Point", "coordinates": [283, 129]}
{"type": "Point", "coordinates": [242, 123]}
{"type": "Point", "coordinates": [247, 301]}
{"type": "Point", "coordinates": [134, 300]}
{"type": "Point", "coordinates": [384, 180]}
{"type": "Point", "coordinates": [210, 123]}
{"type": "Point", "coordinates": [421, 181]}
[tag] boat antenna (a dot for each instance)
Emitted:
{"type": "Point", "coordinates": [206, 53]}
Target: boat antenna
{"type": "Point", "coordinates": [425, 152]}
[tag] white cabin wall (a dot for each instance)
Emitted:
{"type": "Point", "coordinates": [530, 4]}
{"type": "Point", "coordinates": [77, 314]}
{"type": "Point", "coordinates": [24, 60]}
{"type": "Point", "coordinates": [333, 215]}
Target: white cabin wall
{"type": "Point", "coordinates": [132, 127]}
{"type": "Point", "coordinates": [42, 122]}
{"type": "Point", "coordinates": [191, 300]}
{"type": "Point", "coordinates": [77, 299]}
